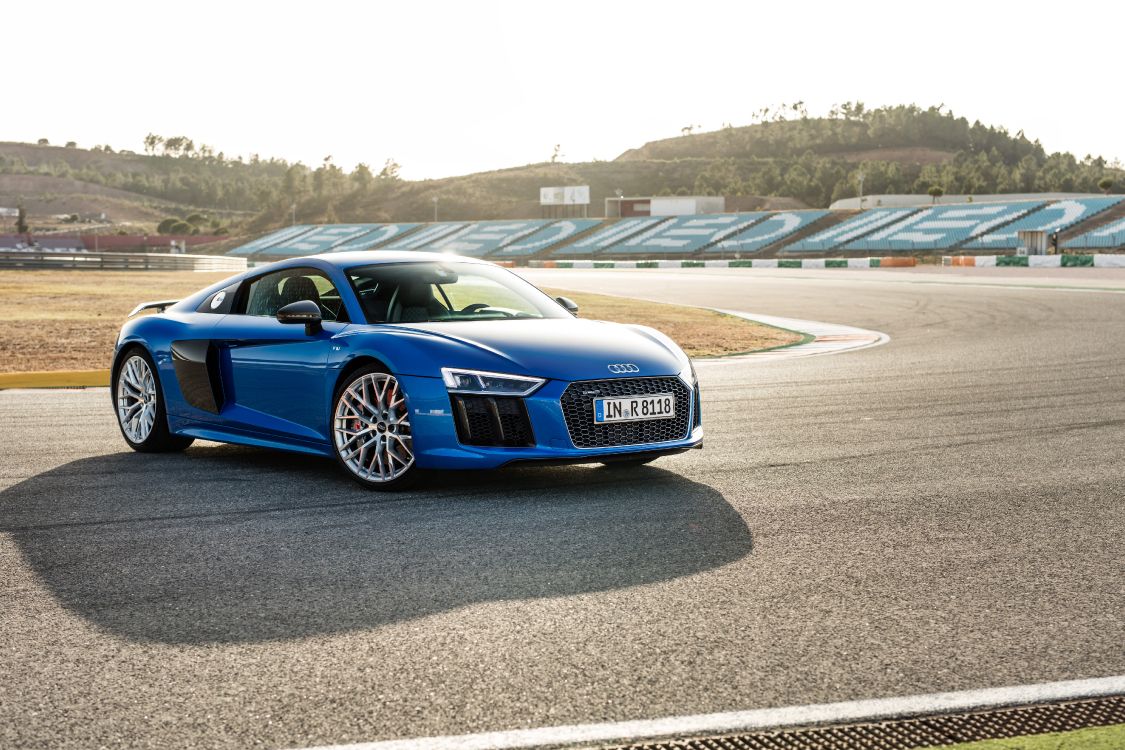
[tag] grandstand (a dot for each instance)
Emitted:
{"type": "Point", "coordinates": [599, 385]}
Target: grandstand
{"type": "Point", "coordinates": [773, 228]}
{"type": "Point", "coordinates": [612, 234]}
{"type": "Point", "coordinates": [1089, 222]}
{"type": "Point", "coordinates": [305, 239]}
{"type": "Point", "coordinates": [687, 234]}
{"type": "Point", "coordinates": [1109, 236]}
{"type": "Point", "coordinates": [427, 235]}
{"type": "Point", "coordinates": [547, 237]}
{"type": "Point", "coordinates": [484, 237]}
{"type": "Point", "coordinates": [857, 226]}
{"type": "Point", "coordinates": [1054, 217]}
{"type": "Point", "coordinates": [941, 227]}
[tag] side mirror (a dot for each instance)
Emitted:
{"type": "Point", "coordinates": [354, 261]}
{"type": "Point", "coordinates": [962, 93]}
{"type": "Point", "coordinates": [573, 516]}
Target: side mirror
{"type": "Point", "coordinates": [302, 311]}
{"type": "Point", "coordinates": [570, 305]}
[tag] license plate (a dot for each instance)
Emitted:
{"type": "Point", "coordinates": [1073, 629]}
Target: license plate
{"type": "Point", "coordinates": [634, 408]}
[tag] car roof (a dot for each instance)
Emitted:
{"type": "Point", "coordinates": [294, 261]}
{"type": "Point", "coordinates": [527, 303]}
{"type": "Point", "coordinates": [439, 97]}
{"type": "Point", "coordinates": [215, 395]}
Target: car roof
{"type": "Point", "coordinates": [374, 257]}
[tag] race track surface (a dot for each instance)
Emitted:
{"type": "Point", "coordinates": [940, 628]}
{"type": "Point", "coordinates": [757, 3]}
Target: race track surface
{"type": "Point", "coordinates": [942, 512]}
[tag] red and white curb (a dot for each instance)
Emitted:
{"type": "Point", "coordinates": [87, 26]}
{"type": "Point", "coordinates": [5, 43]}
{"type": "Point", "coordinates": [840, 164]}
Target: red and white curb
{"type": "Point", "coordinates": [788, 717]}
{"type": "Point", "coordinates": [828, 338]}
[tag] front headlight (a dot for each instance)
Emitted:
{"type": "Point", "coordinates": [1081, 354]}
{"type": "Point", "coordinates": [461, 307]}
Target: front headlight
{"type": "Point", "coordinates": [688, 375]}
{"type": "Point", "coordinates": [494, 383]}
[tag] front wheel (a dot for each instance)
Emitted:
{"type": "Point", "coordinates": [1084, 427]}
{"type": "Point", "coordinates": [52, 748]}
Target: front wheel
{"type": "Point", "coordinates": [371, 430]}
{"type": "Point", "coordinates": [139, 405]}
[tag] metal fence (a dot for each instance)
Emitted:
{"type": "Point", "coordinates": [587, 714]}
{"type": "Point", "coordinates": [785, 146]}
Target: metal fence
{"type": "Point", "coordinates": [33, 259]}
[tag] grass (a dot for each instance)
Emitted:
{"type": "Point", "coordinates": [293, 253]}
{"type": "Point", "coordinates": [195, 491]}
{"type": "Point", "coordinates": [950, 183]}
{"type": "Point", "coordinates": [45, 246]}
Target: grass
{"type": "Point", "coordinates": [69, 320]}
{"type": "Point", "coordinates": [1094, 738]}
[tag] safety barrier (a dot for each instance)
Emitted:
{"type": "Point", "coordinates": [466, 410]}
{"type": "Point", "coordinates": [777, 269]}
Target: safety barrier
{"type": "Point", "coordinates": [1067, 260]}
{"type": "Point", "coordinates": [121, 261]}
{"type": "Point", "coordinates": [744, 263]}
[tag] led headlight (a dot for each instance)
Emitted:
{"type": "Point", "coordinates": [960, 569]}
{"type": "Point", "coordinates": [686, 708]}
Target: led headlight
{"type": "Point", "coordinates": [688, 375]}
{"type": "Point", "coordinates": [493, 383]}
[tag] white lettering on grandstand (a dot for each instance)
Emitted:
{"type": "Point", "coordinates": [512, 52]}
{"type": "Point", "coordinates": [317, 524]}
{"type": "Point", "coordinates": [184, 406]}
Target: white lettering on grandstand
{"type": "Point", "coordinates": [697, 232]}
{"type": "Point", "coordinates": [424, 237]}
{"type": "Point", "coordinates": [551, 235]}
{"type": "Point", "coordinates": [1067, 212]}
{"type": "Point", "coordinates": [614, 233]}
{"type": "Point", "coordinates": [273, 238]}
{"type": "Point", "coordinates": [376, 237]}
{"type": "Point", "coordinates": [322, 239]}
{"type": "Point", "coordinates": [787, 223]}
{"type": "Point", "coordinates": [481, 236]}
{"type": "Point", "coordinates": [1109, 229]}
{"type": "Point", "coordinates": [857, 226]}
{"type": "Point", "coordinates": [921, 228]}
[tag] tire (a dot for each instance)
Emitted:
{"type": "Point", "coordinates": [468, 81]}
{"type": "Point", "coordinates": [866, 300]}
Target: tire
{"type": "Point", "coordinates": [371, 432]}
{"type": "Point", "coordinates": [138, 403]}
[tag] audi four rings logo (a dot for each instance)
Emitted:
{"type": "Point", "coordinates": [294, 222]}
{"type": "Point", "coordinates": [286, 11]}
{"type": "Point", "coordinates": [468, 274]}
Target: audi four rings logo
{"type": "Point", "coordinates": [621, 369]}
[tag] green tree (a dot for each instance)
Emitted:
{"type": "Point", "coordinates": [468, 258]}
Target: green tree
{"type": "Point", "coordinates": [43, 142]}
{"type": "Point", "coordinates": [1105, 184]}
{"type": "Point", "coordinates": [71, 144]}
{"type": "Point", "coordinates": [935, 192]}
{"type": "Point", "coordinates": [362, 178]}
{"type": "Point", "coordinates": [390, 171]}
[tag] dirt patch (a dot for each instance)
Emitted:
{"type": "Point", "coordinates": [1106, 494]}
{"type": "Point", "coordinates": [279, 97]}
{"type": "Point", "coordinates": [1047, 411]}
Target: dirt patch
{"type": "Point", "coordinates": [69, 320]}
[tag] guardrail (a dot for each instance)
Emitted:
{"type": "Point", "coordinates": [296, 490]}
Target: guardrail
{"type": "Point", "coordinates": [33, 259]}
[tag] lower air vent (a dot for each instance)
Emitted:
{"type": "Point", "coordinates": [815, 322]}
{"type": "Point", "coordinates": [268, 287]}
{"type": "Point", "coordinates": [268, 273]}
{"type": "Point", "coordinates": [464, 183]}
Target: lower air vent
{"type": "Point", "coordinates": [491, 420]}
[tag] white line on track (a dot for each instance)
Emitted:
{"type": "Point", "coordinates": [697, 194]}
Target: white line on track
{"type": "Point", "coordinates": [828, 338]}
{"type": "Point", "coordinates": [879, 709]}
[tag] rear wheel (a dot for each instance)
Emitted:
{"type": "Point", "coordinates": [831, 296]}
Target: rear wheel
{"type": "Point", "coordinates": [371, 430]}
{"type": "Point", "coordinates": [139, 405]}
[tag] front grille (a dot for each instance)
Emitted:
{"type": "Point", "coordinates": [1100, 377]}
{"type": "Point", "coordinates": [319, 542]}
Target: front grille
{"type": "Point", "coordinates": [578, 409]}
{"type": "Point", "coordinates": [491, 420]}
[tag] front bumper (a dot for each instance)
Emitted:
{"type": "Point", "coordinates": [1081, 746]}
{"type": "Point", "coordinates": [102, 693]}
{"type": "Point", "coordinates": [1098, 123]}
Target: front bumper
{"type": "Point", "coordinates": [436, 445]}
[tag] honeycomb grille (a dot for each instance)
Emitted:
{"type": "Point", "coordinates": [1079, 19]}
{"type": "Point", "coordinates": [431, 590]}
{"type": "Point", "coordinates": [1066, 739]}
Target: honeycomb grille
{"type": "Point", "coordinates": [578, 409]}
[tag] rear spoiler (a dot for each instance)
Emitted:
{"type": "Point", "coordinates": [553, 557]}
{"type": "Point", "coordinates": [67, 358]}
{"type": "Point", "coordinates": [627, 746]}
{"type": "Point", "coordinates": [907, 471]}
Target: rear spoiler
{"type": "Point", "coordinates": [158, 306]}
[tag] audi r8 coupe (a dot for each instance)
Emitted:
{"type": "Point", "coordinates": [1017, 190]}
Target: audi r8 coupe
{"type": "Point", "coordinates": [400, 362]}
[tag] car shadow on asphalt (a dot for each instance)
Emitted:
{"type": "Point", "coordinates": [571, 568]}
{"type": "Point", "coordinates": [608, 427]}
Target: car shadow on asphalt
{"type": "Point", "coordinates": [238, 545]}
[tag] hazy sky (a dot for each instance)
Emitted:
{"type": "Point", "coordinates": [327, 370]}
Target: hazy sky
{"type": "Point", "coordinates": [454, 87]}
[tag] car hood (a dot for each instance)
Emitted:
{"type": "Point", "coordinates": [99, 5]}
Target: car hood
{"type": "Point", "coordinates": [559, 348]}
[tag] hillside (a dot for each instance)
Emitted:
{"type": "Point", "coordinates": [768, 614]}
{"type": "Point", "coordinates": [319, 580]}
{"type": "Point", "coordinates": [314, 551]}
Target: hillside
{"type": "Point", "coordinates": [786, 160]}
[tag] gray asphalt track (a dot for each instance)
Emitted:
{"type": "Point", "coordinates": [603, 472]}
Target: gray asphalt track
{"type": "Point", "coordinates": [943, 512]}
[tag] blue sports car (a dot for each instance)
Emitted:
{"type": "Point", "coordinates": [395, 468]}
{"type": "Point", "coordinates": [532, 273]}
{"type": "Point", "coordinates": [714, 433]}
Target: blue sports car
{"type": "Point", "coordinates": [396, 363]}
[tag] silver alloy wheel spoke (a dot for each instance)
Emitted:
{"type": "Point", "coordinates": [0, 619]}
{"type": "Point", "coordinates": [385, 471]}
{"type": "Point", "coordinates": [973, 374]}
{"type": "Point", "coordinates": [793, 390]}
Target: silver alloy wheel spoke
{"type": "Point", "coordinates": [371, 428]}
{"type": "Point", "coordinates": [136, 399]}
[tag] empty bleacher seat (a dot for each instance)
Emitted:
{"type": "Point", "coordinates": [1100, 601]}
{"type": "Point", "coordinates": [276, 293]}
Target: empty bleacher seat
{"type": "Point", "coordinates": [686, 234]}
{"type": "Point", "coordinates": [427, 235]}
{"type": "Point", "coordinates": [545, 237]}
{"type": "Point", "coordinates": [774, 227]}
{"type": "Point", "coordinates": [378, 235]}
{"type": "Point", "coordinates": [940, 227]}
{"type": "Point", "coordinates": [484, 237]}
{"type": "Point", "coordinates": [848, 230]}
{"type": "Point", "coordinates": [1109, 236]}
{"type": "Point", "coordinates": [613, 233]}
{"type": "Point", "coordinates": [1053, 217]}
{"type": "Point", "coordinates": [273, 238]}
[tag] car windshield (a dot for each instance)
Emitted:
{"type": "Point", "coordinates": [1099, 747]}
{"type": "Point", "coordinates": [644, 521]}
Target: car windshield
{"type": "Point", "coordinates": [424, 292]}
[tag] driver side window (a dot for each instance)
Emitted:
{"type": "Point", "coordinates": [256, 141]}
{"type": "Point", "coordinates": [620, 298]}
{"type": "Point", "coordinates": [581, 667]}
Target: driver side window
{"type": "Point", "coordinates": [269, 293]}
